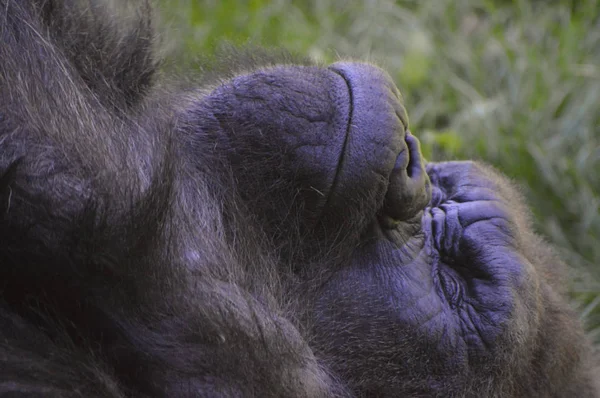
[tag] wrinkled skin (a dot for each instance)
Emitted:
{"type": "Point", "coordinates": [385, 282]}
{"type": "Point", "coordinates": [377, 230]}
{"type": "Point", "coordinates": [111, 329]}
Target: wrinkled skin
{"type": "Point", "coordinates": [274, 232]}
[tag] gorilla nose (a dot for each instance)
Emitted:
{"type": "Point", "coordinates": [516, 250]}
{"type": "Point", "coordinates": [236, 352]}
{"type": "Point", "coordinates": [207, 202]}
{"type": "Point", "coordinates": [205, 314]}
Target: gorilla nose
{"type": "Point", "coordinates": [376, 126]}
{"type": "Point", "coordinates": [372, 91]}
{"type": "Point", "coordinates": [338, 134]}
{"type": "Point", "coordinates": [381, 164]}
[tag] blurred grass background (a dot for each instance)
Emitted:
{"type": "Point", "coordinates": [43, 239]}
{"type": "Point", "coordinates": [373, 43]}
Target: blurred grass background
{"type": "Point", "coordinates": [513, 83]}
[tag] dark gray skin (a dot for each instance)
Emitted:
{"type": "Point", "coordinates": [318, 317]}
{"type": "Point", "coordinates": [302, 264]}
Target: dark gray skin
{"type": "Point", "coordinates": [274, 232]}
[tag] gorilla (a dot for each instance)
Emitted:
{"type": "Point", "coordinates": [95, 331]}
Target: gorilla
{"type": "Point", "coordinates": [267, 228]}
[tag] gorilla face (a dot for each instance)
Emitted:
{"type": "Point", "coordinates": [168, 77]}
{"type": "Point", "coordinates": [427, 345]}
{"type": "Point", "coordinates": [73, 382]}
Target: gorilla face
{"type": "Point", "coordinates": [275, 234]}
{"type": "Point", "coordinates": [421, 280]}
{"type": "Point", "coordinates": [337, 137]}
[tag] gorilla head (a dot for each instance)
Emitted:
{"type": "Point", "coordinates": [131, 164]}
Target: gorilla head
{"type": "Point", "coordinates": [271, 233]}
{"type": "Point", "coordinates": [421, 281]}
{"type": "Point", "coordinates": [324, 152]}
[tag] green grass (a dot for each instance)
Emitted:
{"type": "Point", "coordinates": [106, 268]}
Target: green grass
{"type": "Point", "coordinates": [514, 83]}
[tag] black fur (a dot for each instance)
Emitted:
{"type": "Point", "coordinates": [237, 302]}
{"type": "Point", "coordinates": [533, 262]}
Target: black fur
{"type": "Point", "coordinates": [146, 252]}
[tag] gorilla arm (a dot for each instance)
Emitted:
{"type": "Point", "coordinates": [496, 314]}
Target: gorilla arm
{"type": "Point", "coordinates": [493, 269]}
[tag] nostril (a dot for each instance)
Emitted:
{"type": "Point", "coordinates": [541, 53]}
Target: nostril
{"type": "Point", "coordinates": [408, 191]}
{"type": "Point", "coordinates": [414, 165]}
{"type": "Point", "coordinates": [402, 162]}
{"type": "Point", "coordinates": [401, 113]}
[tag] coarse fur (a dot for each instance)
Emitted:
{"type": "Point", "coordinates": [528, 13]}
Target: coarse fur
{"type": "Point", "coordinates": [145, 252]}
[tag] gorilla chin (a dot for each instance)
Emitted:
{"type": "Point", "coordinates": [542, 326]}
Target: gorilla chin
{"type": "Point", "coordinates": [271, 233]}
